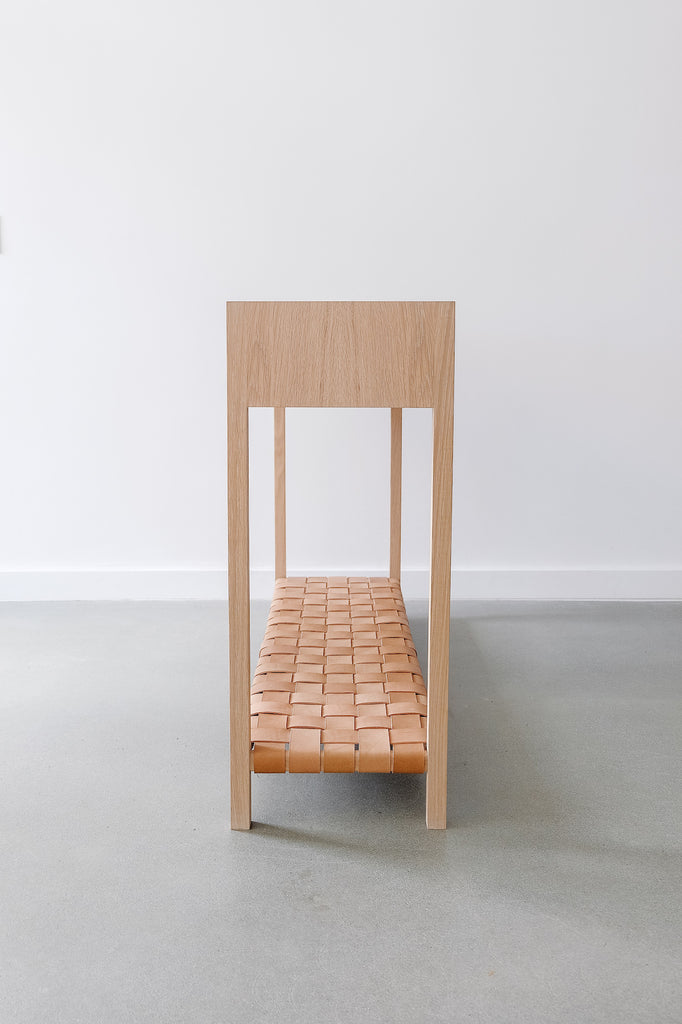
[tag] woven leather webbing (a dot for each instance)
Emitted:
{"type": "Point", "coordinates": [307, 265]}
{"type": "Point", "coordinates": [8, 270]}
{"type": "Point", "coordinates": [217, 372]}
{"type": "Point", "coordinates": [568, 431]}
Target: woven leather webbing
{"type": "Point", "coordinates": [338, 686]}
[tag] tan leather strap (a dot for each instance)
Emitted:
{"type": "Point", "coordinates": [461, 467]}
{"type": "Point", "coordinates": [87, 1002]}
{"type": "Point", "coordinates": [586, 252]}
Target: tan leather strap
{"type": "Point", "coordinates": [338, 687]}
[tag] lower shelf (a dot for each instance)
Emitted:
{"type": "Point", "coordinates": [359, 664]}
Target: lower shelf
{"type": "Point", "coordinates": [338, 687]}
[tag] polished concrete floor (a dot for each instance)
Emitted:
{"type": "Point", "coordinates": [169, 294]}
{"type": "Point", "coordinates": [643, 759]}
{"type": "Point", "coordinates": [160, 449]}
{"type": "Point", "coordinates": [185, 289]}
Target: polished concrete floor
{"type": "Point", "coordinates": [553, 896]}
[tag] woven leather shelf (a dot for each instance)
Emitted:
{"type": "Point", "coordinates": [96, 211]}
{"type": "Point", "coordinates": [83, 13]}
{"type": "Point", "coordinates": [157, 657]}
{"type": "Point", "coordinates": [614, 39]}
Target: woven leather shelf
{"type": "Point", "coordinates": [338, 686]}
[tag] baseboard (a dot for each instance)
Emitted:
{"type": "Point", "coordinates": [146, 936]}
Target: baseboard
{"type": "Point", "coordinates": [567, 584]}
{"type": "Point", "coordinates": [467, 584]}
{"type": "Point", "coordinates": [115, 585]}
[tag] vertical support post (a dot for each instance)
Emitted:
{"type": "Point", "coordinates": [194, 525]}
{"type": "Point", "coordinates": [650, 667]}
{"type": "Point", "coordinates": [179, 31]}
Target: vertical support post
{"type": "Point", "coordinates": [439, 596]}
{"type": "Point", "coordinates": [280, 494]}
{"type": "Point", "coordinates": [396, 489]}
{"type": "Point", "coordinates": [238, 588]}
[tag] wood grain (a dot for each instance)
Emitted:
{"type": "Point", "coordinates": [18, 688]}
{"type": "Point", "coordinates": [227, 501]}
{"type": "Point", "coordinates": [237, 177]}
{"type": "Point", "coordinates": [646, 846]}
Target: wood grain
{"type": "Point", "coordinates": [439, 595]}
{"type": "Point", "coordinates": [345, 354]}
{"type": "Point", "coordinates": [280, 494]}
{"type": "Point", "coordinates": [238, 586]}
{"type": "Point", "coordinates": [396, 490]}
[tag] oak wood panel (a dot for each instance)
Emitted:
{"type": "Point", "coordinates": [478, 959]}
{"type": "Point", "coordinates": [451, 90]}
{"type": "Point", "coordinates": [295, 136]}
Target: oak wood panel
{"type": "Point", "coordinates": [396, 490]}
{"type": "Point", "coordinates": [439, 595]}
{"type": "Point", "coordinates": [280, 494]}
{"type": "Point", "coordinates": [238, 588]}
{"type": "Point", "coordinates": [345, 354]}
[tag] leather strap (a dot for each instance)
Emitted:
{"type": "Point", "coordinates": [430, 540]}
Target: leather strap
{"type": "Point", "coordinates": [338, 687]}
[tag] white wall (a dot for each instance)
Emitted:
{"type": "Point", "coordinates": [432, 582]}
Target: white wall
{"type": "Point", "coordinates": [160, 158]}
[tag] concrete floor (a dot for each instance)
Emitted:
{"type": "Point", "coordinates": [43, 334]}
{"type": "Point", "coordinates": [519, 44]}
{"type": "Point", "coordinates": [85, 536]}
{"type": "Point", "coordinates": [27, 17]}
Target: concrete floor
{"type": "Point", "coordinates": [553, 896]}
